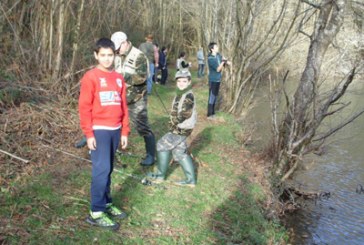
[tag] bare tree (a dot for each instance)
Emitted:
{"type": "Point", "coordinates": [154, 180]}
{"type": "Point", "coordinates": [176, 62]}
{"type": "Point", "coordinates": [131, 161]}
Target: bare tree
{"type": "Point", "coordinates": [309, 107]}
{"type": "Point", "coordinates": [75, 45]}
{"type": "Point", "coordinates": [252, 34]}
{"type": "Point", "coordinates": [60, 34]}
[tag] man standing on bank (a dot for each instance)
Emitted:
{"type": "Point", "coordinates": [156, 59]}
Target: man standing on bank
{"type": "Point", "coordinates": [151, 51]}
{"type": "Point", "coordinates": [132, 63]}
{"type": "Point", "coordinates": [216, 64]}
{"type": "Point", "coordinates": [201, 63]}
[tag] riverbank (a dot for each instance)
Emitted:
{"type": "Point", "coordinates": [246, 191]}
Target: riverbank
{"type": "Point", "coordinates": [46, 201]}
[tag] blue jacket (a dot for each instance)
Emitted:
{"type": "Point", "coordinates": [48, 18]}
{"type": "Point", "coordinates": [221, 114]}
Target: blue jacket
{"type": "Point", "coordinates": [214, 61]}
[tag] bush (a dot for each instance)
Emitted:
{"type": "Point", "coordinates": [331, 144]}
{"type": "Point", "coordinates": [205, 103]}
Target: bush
{"type": "Point", "coordinates": [10, 97]}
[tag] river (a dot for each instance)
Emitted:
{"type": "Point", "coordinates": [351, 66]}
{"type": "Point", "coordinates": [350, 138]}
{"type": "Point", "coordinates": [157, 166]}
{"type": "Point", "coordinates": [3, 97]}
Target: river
{"type": "Point", "coordinates": [340, 218]}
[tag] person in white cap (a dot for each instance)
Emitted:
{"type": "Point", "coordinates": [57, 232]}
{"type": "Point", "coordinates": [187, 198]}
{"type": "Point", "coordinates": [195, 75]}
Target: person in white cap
{"type": "Point", "coordinates": [133, 65]}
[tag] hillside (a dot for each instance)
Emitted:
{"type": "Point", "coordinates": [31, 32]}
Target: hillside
{"type": "Point", "coordinates": [46, 200]}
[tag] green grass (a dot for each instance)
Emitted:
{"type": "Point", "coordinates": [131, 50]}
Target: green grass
{"type": "Point", "coordinates": [49, 206]}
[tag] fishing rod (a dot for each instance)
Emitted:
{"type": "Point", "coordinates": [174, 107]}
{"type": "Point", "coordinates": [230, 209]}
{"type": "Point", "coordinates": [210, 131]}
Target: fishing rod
{"type": "Point", "coordinates": [160, 99]}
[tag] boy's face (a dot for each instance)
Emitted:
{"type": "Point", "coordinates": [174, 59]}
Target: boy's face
{"type": "Point", "coordinates": [182, 83]}
{"type": "Point", "coordinates": [215, 49]}
{"type": "Point", "coordinates": [105, 57]}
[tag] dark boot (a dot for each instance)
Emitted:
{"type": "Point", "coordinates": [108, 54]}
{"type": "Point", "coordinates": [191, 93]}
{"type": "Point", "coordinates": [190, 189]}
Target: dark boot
{"type": "Point", "coordinates": [150, 149]}
{"type": "Point", "coordinates": [189, 170]}
{"type": "Point", "coordinates": [163, 158]}
{"type": "Point", "coordinates": [210, 110]}
{"type": "Point", "coordinates": [81, 143]}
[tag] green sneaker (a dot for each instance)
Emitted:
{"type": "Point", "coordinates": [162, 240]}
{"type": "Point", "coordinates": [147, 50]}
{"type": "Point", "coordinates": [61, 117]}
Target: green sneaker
{"type": "Point", "coordinates": [102, 220]}
{"type": "Point", "coordinates": [114, 212]}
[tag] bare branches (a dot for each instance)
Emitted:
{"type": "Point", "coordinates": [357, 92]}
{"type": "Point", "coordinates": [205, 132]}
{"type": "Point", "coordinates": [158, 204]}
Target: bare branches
{"type": "Point", "coordinates": [311, 4]}
{"type": "Point", "coordinates": [305, 114]}
{"type": "Point", "coordinates": [337, 95]}
{"type": "Point", "coordinates": [340, 126]}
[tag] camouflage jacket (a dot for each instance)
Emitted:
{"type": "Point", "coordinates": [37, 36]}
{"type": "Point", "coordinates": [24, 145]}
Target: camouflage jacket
{"type": "Point", "coordinates": [182, 114]}
{"type": "Point", "coordinates": [133, 65]}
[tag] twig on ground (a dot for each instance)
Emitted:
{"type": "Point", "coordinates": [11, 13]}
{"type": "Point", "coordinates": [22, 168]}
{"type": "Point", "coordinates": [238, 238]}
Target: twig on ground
{"type": "Point", "coordinates": [67, 153]}
{"type": "Point", "coordinates": [13, 156]}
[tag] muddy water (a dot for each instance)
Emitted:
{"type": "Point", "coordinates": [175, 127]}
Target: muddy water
{"type": "Point", "coordinates": [340, 171]}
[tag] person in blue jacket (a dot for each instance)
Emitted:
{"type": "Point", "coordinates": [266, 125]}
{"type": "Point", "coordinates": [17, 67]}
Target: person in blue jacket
{"type": "Point", "coordinates": [216, 64]}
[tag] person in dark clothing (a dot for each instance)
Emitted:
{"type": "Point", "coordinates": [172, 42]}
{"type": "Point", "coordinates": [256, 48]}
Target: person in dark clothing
{"type": "Point", "coordinates": [216, 64]}
{"type": "Point", "coordinates": [163, 65]}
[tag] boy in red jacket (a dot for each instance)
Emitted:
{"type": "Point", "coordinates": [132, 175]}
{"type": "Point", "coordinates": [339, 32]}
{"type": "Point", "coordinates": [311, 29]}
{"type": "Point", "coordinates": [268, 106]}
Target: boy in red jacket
{"type": "Point", "coordinates": [104, 120]}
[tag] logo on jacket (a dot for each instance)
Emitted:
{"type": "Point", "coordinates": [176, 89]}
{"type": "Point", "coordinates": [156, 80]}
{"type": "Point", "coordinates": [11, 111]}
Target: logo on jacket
{"type": "Point", "coordinates": [109, 98]}
{"type": "Point", "coordinates": [103, 82]}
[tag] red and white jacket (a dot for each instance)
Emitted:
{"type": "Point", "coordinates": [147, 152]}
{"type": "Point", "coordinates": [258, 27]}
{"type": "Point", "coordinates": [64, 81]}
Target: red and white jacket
{"type": "Point", "coordinates": [102, 103]}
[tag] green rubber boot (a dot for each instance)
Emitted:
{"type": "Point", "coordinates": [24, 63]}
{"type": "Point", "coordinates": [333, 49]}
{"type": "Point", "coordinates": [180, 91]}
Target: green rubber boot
{"type": "Point", "coordinates": [163, 158]}
{"type": "Point", "coordinates": [189, 170]}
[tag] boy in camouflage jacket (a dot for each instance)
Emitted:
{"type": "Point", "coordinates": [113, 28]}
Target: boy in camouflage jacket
{"type": "Point", "coordinates": [183, 118]}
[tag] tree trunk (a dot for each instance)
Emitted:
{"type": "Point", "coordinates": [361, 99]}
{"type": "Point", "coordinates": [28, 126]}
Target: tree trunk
{"type": "Point", "coordinates": [76, 39]}
{"type": "Point", "coordinates": [60, 34]}
{"type": "Point", "coordinates": [302, 120]}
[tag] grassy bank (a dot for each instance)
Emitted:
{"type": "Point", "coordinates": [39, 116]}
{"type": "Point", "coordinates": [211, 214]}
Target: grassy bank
{"type": "Point", "coordinates": [48, 202]}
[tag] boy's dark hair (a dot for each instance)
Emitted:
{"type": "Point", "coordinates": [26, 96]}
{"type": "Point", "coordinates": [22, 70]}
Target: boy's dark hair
{"type": "Point", "coordinates": [163, 48]}
{"type": "Point", "coordinates": [211, 46]}
{"type": "Point", "coordinates": [182, 54]}
{"type": "Point", "coordinates": [104, 43]}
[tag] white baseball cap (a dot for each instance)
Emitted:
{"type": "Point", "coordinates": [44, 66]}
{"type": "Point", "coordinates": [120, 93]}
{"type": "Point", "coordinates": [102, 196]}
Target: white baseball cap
{"type": "Point", "coordinates": [118, 38]}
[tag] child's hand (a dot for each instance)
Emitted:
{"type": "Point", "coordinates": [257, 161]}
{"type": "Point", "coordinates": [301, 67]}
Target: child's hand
{"type": "Point", "coordinates": [124, 142]}
{"type": "Point", "coordinates": [91, 143]}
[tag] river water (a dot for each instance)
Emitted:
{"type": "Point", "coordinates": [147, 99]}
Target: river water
{"type": "Point", "coordinates": [340, 171]}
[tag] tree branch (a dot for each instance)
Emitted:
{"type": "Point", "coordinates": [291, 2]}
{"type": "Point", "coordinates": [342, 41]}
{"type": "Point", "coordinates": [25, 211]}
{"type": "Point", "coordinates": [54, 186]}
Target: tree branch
{"type": "Point", "coordinates": [13, 156]}
{"type": "Point", "coordinates": [311, 4]}
{"type": "Point", "coordinates": [337, 110]}
{"type": "Point", "coordinates": [340, 126]}
{"type": "Point", "coordinates": [344, 88]}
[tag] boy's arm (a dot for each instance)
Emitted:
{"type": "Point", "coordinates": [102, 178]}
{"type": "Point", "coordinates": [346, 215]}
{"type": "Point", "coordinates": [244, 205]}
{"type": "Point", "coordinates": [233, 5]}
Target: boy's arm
{"type": "Point", "coordinates": [125, 128]}
{"type": "Point", "coordinates": [85, 105]}
{"type": "Point", "coordinates": [141, 71]}
{"type": "Point", "coordinates": [184, 64]}
{"type": "Point", "coordinates": [124, 142]}
{"type": "Point", "coordinates": [156, 56]}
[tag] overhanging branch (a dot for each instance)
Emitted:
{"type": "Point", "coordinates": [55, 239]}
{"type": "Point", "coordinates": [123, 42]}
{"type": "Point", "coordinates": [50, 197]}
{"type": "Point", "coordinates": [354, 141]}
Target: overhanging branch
{"type": "Point", "coordinates": [340, 126]}
{"type": "Point", "coordinates": [311, 4]}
